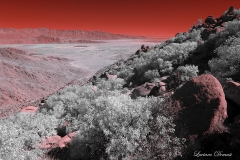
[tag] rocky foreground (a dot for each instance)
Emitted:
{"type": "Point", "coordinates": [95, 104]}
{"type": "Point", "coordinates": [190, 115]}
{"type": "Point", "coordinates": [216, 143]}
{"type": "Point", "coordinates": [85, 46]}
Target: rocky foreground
{"type": "Point", "coordinates": [206, 113]}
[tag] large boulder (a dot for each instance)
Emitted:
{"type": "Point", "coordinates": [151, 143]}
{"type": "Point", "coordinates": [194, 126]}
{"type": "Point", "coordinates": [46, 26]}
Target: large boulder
{"type": "Point", "coordinates": [232, 91]}
{"type": "Point", "coordinates": [202, 106]}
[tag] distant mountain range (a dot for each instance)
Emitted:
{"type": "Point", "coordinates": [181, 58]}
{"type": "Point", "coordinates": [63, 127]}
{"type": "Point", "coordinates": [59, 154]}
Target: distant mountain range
{"type": "Point", "coordinates": [44, 35]}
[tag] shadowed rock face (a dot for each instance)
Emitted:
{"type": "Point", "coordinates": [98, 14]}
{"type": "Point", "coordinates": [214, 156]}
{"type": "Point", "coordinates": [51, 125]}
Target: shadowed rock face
{"type": "Point", "coordinates": [232, 91]}
{"type": "Point", "coordinates": [203, 106]}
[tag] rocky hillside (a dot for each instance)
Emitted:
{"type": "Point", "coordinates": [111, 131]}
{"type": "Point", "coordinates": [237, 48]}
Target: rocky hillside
{"type": "Point", "coordinates": [43, 35]}
{"type": "Point", "coordinates": [178, 100]}
{"type": "Point", "coordinates": [197, 75]}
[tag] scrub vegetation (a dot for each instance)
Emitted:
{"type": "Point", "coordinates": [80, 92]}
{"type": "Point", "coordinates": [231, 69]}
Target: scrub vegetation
{"type": "Point", "coordinates": [111, 125]}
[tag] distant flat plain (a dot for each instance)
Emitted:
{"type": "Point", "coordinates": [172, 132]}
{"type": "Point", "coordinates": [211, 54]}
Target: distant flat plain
{"type": "Point", "coordinates": [43, 74]}
{"type": "Point", "coordinates": [90, 56]}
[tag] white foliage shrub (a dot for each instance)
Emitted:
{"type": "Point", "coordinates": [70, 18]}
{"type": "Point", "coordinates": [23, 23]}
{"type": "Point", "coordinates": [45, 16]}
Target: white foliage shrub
{"type": "Point", "coordinates": [20, 134]}
{"type": "Point", "coordinates": [187, 72]}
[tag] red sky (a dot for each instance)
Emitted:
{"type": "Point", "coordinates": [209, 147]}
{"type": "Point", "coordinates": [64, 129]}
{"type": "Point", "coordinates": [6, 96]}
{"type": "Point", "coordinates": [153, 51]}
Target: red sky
{"type": "Point", "coordinates": [134, 17]}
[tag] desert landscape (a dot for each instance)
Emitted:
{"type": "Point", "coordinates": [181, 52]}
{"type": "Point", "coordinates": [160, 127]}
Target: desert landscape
{"type": "Point", "coordinates": [126, 91]}
{"type": "Point", "coordinates": [30, 71]}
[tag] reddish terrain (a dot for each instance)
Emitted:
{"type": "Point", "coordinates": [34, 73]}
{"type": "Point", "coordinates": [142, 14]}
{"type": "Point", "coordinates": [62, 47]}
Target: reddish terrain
{"type": "Point", "coordinates": [43, 35]}
{"type": "Point", "coordinates": [26, 78]}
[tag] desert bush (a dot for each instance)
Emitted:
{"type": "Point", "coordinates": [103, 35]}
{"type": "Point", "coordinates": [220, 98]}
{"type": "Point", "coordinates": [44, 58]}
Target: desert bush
{"type": "Point", "coordinates": [75, 101]}
{"type": "Point", "coordinates": [162, 66]}
{"type": "Point", "coordinates": [233, 27]}
{"type": "Point", "coordinates": [187, 72]}
{"type": "Point", "coordinates": [20, 134]}
{"type": "Point", "coordinates": [212, 36]}
{"type": "Point", "coordinates": [111, 125]}
{"type": "Point", "coordinates": [191, 36]}
{"type": "Point", "coordinates": [222, 37]}
{"type": "Point", "coordinates": [150, 74]}
{"type": "Point", "coordinates": [120, 127]}
{"type": "Point", "coordinates": [70, 95]}
{"type": "Point", "coordinates": [195, 35]}
{"type": "Point", "coordinates": [125, 73]}
{"type": "Point", "coordinates": [177, 51]}
{"type": "Point", "coordinates": [141, 64]}
{"type": "Point", "coordinates": [226, 64]}
{"type": "Point", "coordinates": [138, 69]}
{"type": "Point", "coordinates": [111, 85]}
{"type": "Point", "coordinates": [206, 51]}
{"type": "Point", "coordinates": [180, 38]}
{"type": "Point", "coordinates": [159, 46]}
